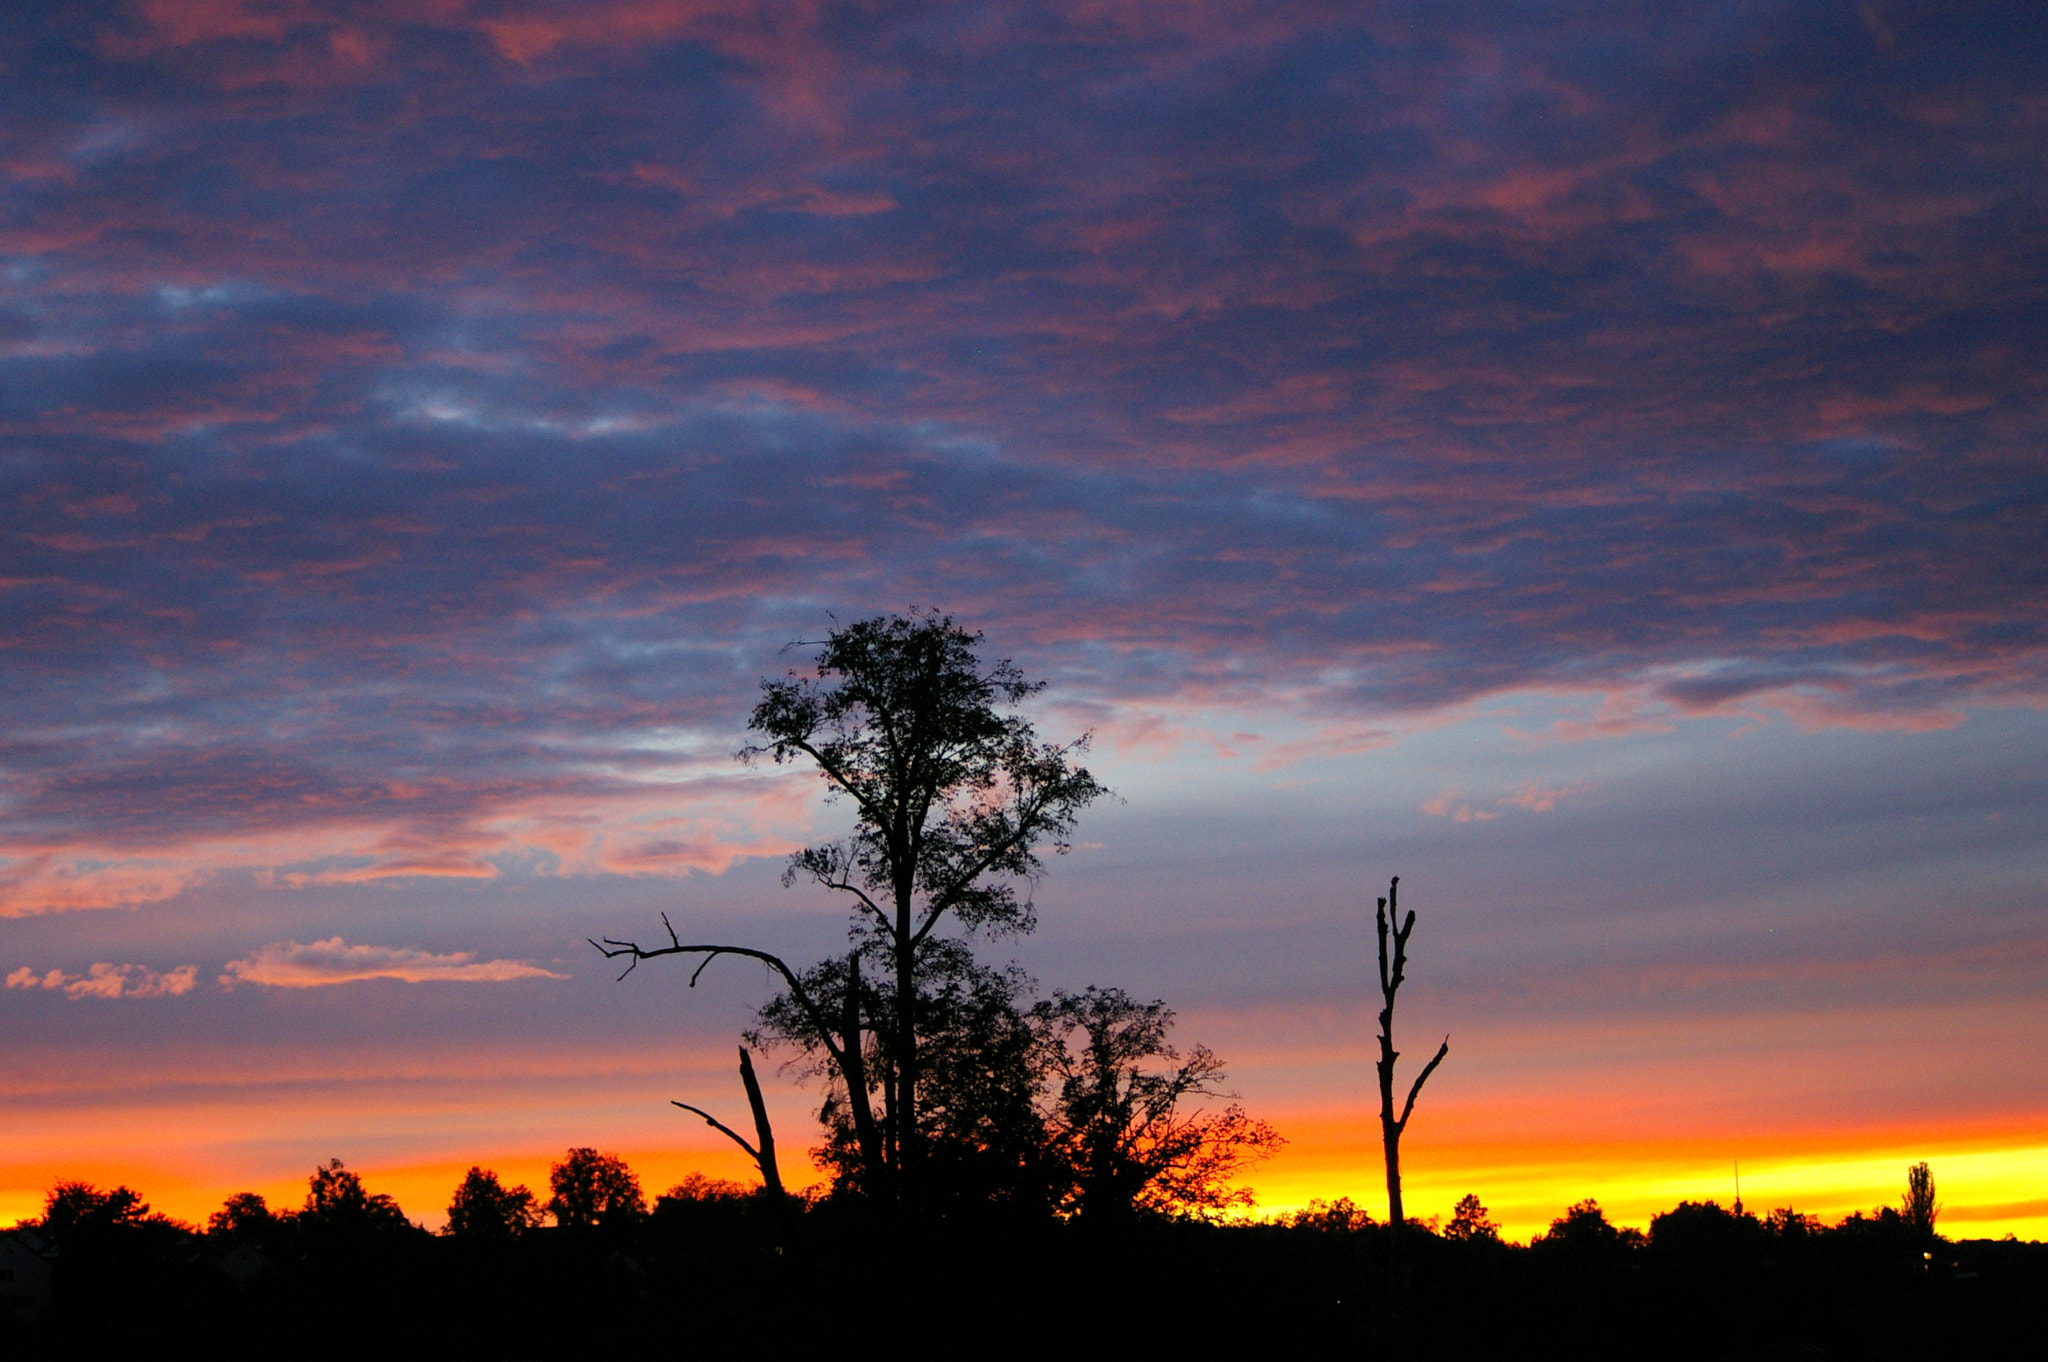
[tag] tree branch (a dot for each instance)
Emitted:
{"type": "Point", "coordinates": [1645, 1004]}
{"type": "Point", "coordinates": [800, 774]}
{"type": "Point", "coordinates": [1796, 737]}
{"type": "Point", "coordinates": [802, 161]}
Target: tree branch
{"type": "Point", "coordinates": [845, 885]}
{"type": "Point", "coordinates": [868, 806]}
{"type": "Point", "coordinates": [1422, 1078]}
{"type": "Point", "coordinates": [721, 1127]}
{"type": "Point", "coordinates": [612, 949]}
{"type": "Point", "coordinates": [937, 905]}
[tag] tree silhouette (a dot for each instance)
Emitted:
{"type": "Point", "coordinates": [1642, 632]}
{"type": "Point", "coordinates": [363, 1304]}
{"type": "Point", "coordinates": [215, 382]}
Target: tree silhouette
{"type": "Point", "coordinates": [485, 1210]}
{"type": "Point", "coordinates": [1119, 1123]}
{"type": "Point", "coordinates": [79, 1209]}
{"type": "Point", "coordinates": [1393, 939]}
{"type": "Point", "coordinates": [953, 799]}
{"type": "Point", "coordinates": [1469, 1223]}
{"type": "Point", "coordinates": [1584, 1232]}
{"type": "Point", "coordinates": [1919, 1206]}
{"type": "Point", "coordinates": [1077, 1104]}
{"type": "Point", "coordinates": [1786, 1223]}
{"type": "Point", "coordinates": [593, 1190]}
{"type": "Point", "coordinates": [339, 1211]}
{"type": "Point", "coordinates": [110, 1255]}
{"type": "Point", "coordinates": [245, 1215]}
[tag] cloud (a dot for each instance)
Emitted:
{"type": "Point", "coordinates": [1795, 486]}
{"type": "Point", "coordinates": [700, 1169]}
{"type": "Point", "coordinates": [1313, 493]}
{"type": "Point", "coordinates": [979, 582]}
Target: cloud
{"type": "Point", "coordinates": [104, 980]}
{"type": "Point", "coordinates": [1537, 799]}
{"type": "Point", "coordinates": [291, 964]}
{"type": "Point", "coordinates": [443, 483]}
{"type": "Point", "coordinates": [1448, 805]}
{"type": "Point", "coordinates": [112, 839]}
{"type": "Point", "coordinates": [1530, 799]}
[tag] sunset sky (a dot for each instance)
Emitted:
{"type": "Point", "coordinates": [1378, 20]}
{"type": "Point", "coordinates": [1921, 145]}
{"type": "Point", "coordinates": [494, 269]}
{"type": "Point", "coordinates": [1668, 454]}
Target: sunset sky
{"type": "Point", "coordinates": [1585, 459]}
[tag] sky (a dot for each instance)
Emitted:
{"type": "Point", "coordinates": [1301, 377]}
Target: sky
{"type": "Point", "coordinates": [1584, 459]}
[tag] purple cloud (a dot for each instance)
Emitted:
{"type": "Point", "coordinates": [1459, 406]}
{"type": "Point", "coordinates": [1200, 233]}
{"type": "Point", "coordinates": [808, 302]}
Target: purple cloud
{"type": "Point", "coordinates": [412, 422]}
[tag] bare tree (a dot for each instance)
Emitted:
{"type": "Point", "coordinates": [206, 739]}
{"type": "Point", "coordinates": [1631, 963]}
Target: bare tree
{"type": "Point", "coordinates": [762, 1152]}
{"type": "Point", "coordinates": [953, 800]}
{"type": "Point", "coordinates": [1393, 934]}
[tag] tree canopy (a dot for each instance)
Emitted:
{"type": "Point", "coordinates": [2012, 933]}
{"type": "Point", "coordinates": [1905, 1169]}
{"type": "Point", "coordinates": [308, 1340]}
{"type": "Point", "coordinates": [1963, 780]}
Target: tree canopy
{"type": "Point", "coordinates": [593, 1190]}
{"type": "Point", "coordinates": [484, 1209]}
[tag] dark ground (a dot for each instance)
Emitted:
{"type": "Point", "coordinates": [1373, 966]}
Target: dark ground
{"type": "Point", "coordinates": [727, 1277]}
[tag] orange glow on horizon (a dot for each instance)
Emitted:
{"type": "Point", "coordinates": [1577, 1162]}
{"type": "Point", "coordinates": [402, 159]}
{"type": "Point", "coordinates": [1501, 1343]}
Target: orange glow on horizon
{"type": "Point", "coordinates": [1990, 1181]}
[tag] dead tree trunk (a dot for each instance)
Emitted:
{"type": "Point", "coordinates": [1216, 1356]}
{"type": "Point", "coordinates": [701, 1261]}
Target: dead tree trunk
{"type": "Point", "coordinates": [1393, 935]}
{"type": "Point", "coordinates": [762, 1152]}
{"type": "Point", "coordinates": [764, 1134]}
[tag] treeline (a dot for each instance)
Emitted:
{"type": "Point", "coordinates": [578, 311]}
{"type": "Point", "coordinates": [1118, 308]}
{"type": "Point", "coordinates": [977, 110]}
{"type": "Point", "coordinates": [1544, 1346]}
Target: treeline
{"type": "Point", "coordinates": [713, 1266]}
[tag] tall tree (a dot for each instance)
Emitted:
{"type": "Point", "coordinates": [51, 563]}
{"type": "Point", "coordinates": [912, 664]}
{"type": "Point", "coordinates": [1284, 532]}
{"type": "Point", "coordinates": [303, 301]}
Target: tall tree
{"type": "Point", "coordinates": [954, 798]}
{"type": "Point", "coordinates": [1393, 936]}
{"type": "Point", "coordinates": [1919, 1205]}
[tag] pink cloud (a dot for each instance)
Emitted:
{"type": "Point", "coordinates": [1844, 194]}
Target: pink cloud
{"type": "Point", "coordinates": [1529, 799]}
{"type": "Point", "coordinates": [105, 980]}
{"type": "Point", "coordinates": [332, 837]}
{"type": "Point", "coordinates": [1332, 741]}
{"type": "Point", "coordinates": [1539, 800]}
{"type": "Point", "coordinates": [319, 964]}
{"type": "Point", "coordinates": [1448, 805]}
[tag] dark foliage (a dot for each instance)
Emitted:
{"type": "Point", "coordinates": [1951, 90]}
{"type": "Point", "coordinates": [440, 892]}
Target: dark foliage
{"type": "Point", "coordinates": [1920, 1207]}
{"type": "Point", "coordinates": [245, 1216]}
{"type": "Point", "coordinates": [953, 798]}
{"type": "Point", "coordinates": [594, 1191]}
{"type": "Point", "coordinates": [983, 1137]}
{"type": "Point", "coordinates": [486, 1210]}
{"type": "Point", "coordinates": [1126, 1131]}
{"type": "Point", "coordinates": [340, 1213]}
{"type": "Point", "coordinates": [1469, 1222]}
{"type": "Point", "coordinates": [1077, 1104]}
